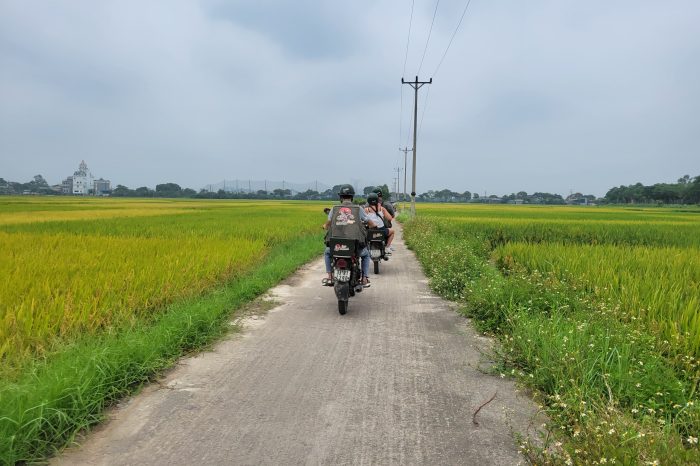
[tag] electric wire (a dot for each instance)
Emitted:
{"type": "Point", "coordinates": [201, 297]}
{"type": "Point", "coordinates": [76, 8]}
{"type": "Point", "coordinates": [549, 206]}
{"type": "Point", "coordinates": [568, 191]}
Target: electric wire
{"type": "Point", "coordinates": [461, 18]}
{"type": "Point", "coordinates": [405, 60]}
{"type": "Point", "coordinates": [408, 135]}
{"type": "Point", "coordinates": [427, 94]}
{"type": "Point", "coordinates": [430, 31]}
{"type": "Point", "coordinates": [408, 39]}
{"type": "Point", "coordinates": [425, 107]}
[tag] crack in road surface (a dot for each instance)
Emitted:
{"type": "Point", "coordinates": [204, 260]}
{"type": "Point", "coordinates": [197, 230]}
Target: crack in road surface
{"type": "Point", "coordinates": [395, 381]}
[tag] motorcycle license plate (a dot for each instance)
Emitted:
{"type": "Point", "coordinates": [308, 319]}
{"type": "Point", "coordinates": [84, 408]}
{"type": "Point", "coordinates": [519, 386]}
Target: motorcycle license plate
{"type": "Point", "coordinates": [375, 253]}
{"type": "Point", "coordinates": [341, 275]}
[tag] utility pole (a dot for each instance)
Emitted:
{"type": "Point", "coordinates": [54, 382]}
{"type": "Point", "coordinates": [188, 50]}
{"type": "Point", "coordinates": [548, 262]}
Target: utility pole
{"type": "Point", "coordinates": [405, 160]}
{"type": "Point", "coordinates": [415, 85]}
{"type": "Point", "coordinates": [397, 185]}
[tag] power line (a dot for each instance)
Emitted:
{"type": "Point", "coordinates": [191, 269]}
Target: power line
{"type": "Point", "coordinates": [408, 39]}
{"type": "Point", "coordinates": [427, 94]}
{"type": "Point", "coordinates": [410, 130]}
{"type": "Point", "coordinates": [466, 7]}
{"type": "Point", "coordinates": [425, 107]}
{"type": "Point", "coordinates": [429, 34]}
{"type": "Point", "coordinates": [405, 60]}
{"type": "Point", "coordinates": [401, 118]}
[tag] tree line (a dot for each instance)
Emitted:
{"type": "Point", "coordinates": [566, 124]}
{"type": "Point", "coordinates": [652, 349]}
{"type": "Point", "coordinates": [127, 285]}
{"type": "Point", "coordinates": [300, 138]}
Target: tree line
{"type": "Point", "coordinates": [173, 190]}
{"type": "Point", "coordinates": [37, 185]}
{"type": "Point", "coordinates": [685, 191]}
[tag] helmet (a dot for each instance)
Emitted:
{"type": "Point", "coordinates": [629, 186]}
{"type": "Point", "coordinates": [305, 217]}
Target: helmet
{"type": "Point", "coordinates": [373, 199]}
{"type": "Point", "coordinates": [377, 191]}
{"type": "Point", "coordinates": [346, 190]}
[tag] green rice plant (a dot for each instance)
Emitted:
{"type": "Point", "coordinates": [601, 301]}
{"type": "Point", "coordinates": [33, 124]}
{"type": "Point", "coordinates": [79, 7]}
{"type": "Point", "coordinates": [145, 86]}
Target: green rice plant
{"type": "Point", "coordinates": [66, 392]}
{"type": "Point", "coordinates": [659, 285]}
{"type": "Point", "coordinates": [81, 271]}
{"type": "Point", "coordinates": [583, 312]}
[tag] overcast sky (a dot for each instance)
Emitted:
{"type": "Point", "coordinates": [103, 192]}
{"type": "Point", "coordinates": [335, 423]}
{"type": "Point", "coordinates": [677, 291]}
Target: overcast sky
{"type": "Point", "coordinates": [532, 95]}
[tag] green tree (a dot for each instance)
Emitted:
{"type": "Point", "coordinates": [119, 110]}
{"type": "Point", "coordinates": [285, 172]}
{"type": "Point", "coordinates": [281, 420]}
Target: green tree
{"type": "Point", "coordinates": [692, 192]}
{"type": "Point", "coordinates": [122, 191]}
{"type": "Point", "coordinates": [385, 192]}
{"type": "Point", "coordinates": [143, 191]}
{"type": "Point", "coordinates": [168, 190]}
{"type": "Point", "coordinates": [189, 192]}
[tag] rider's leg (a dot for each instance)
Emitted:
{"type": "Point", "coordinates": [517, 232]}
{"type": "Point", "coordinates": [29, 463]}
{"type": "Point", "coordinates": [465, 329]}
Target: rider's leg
{"type": "Point", "coordinates": [327, 259]}
{"type": "Point", "coordinates": [390, 238]}
{"type": "Point", "coordinates": [364, 255]}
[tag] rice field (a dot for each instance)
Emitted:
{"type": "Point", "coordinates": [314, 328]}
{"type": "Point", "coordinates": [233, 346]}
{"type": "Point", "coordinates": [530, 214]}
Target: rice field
{"type": "Point", "coordinates": [75, 267]}
{"type": "Point", "coordinates": [596, 309]}
{"type": "Point", "coordinates": [646, 261]}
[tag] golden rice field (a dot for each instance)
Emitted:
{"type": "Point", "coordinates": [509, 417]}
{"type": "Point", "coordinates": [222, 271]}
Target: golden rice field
{"type": "Point", "coordinates": [77, 266]}
{"type": "Point", "coordinates": [644, 261]}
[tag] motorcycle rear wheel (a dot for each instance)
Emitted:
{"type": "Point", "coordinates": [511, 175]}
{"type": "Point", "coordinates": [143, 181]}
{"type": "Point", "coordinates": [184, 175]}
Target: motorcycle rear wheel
{"type": "Point", "coordinates": [342, 307]}
{"type": "Point", "coordinates": [376, 267]}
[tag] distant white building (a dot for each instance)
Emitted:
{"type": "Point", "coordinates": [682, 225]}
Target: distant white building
{"type": "Point", "coordinates": [83, 181]}
{"type": "Point", "coordinates": [67, 186]}
{"type": "Point", "coordinates": [102, 187]}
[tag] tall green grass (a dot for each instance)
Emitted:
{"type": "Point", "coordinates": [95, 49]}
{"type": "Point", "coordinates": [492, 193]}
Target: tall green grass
{"type": "Point", "coordinates": [614, 388]}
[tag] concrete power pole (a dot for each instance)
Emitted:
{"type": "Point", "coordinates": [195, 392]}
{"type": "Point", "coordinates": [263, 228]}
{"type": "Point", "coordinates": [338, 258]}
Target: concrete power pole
{"type": "Point", "coordinates": [415, 85]}
{"type": "Point", "coordinates": [405, 160]}
{"type": "Point", "coordinates": [397, 185]}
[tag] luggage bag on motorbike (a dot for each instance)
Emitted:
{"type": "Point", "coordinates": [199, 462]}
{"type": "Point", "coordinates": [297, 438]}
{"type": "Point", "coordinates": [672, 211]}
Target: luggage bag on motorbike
{"type": "Point", "coordinates": [343, 247]}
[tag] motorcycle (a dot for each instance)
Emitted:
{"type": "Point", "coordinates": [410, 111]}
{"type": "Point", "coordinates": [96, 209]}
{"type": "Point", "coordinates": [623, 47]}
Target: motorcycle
{"type": "Point", "coordinates": [377, 247]}
{"type": "Point", "coordinates": [347, 274]}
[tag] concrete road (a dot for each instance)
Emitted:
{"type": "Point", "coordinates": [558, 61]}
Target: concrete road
{"type": "Point", "coordinates": [395, 381]}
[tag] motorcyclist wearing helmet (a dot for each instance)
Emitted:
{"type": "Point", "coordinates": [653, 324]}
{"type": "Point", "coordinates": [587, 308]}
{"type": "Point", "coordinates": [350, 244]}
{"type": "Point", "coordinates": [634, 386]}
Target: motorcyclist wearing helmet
{"type": "Point", "coordinates": [378, 214]}
{"type": "Point", "coordinates": [346, 194]}
{"type": "Point", "coordinates": [386, 205]}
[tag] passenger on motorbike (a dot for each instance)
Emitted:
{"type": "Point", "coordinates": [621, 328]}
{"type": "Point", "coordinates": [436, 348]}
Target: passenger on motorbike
{"type": "Point", "coordinates": [378, 214]}
{"type": "Point", "coordinates": [346, 194]}
{"type": "Point", "coordinates": [386, 205]}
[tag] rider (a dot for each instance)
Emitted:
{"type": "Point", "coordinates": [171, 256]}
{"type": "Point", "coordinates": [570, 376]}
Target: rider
{"type": "Point", "coordinates": [379, 214]}
{"type": "Point", "coordinates": [392, 212]}
{"type": "Point", "coordinates": [346, 194]}
{"type": "Point", "coordinates": [387, 205]}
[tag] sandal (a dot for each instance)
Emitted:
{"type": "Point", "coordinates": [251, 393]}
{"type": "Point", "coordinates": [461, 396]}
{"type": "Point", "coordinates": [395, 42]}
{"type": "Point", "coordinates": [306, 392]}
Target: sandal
{"type": "Point", "coordinates": [365, 282]}
{"type": "Point", "coordinates": [327, 282]}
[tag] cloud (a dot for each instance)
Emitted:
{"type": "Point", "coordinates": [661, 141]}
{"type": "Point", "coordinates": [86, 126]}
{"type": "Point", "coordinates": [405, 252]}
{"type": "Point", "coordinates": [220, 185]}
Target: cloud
{"type": "Point", "coordinates": [534, 96]}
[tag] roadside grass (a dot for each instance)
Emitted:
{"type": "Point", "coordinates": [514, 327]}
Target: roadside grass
{"type": "Point", "coordinates": [613, 390]}
{"type": "Point", "coordinates": [42, 410]}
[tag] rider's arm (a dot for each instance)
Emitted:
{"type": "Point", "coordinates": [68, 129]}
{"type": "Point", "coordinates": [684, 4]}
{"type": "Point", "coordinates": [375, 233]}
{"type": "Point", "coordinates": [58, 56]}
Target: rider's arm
{"type": "Point", "coordinates": [365, 218]}
{"type": "Point", "coordinates": [387, 215]}
{"type": "Point", "coordinates": [363, 215]}
{"type": "Point", "coordinates": [328, 222]}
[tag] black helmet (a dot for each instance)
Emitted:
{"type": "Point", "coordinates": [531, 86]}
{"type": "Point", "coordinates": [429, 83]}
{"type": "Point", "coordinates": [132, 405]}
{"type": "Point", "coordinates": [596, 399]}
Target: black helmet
{"type": "Point", "coordinates": [346, 190]}
{"type": "Point", "coordinates": [372, 199]}
{"type": "Point", "coordinates": [377, 191]}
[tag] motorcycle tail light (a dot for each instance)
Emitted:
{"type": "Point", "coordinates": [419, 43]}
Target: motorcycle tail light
{"type": "Point", "coordinates": [341, 264]}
